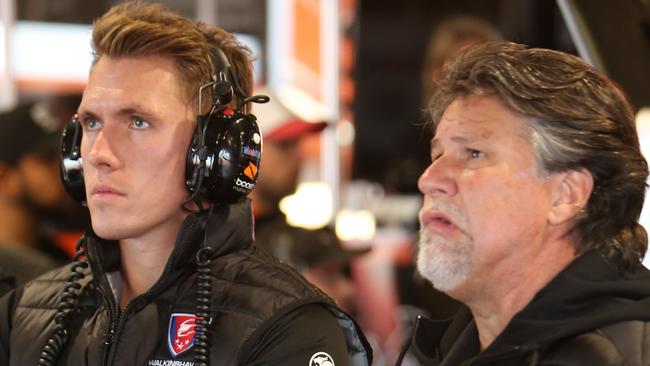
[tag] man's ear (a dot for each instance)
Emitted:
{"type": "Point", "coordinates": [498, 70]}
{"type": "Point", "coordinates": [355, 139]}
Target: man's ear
{"type": "Point", "coordinates": [571, 191]}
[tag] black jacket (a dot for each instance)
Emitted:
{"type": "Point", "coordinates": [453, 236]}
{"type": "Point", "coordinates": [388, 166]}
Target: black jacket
{"type": "Point", "coordinates": [590, 314]}
{"type": "Point", "coordinates": [262, 312]}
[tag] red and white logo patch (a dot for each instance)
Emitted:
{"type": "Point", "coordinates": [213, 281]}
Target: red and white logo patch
{"type": "Point", "coordinates": [180, 336]}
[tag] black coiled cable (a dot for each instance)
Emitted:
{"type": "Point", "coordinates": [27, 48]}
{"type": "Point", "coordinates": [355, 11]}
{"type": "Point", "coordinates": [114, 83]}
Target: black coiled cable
{"type": "Point", "coordinates": [67, 305]}
{"type": "Point", "coordinates": [203, 295]}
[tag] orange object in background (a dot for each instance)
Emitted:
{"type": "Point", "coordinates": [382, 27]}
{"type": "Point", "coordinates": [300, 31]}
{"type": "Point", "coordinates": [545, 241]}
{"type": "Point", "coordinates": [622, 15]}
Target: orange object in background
{"type": "Point", "coordinates": [67, 241]}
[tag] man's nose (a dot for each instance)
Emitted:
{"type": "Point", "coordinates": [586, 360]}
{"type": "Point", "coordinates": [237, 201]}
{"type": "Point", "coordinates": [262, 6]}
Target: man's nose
{"type": "Point", "coordinates": [439, 178]}
{"type": "Point", "coordinates": [102, 152]}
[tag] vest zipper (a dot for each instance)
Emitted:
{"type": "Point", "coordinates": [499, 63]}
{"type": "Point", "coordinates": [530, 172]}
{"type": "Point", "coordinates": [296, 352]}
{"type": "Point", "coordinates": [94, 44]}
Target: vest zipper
{"type": "Point", "coordinates": [116, 329]}
{"type": "Point", "coordinates": [114, 317]}
{"type": "Point", "coordinates": [118, 322]}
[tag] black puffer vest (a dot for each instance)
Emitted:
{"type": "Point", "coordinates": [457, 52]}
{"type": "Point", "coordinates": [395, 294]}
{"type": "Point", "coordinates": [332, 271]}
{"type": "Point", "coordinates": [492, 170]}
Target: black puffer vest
{"type": "Point", "coordinates": [250, 291]}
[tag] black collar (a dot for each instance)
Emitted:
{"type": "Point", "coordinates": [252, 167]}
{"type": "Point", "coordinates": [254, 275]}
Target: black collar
{"type": "Point", "coordinates": [589, 293]}
{"type": "Point", "coordinates": [228, 229]}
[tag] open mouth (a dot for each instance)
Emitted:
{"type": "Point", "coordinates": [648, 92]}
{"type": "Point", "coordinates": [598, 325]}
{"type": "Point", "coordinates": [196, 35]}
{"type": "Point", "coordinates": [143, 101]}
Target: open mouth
{"type": "Point", "coordinates": [438, 222]}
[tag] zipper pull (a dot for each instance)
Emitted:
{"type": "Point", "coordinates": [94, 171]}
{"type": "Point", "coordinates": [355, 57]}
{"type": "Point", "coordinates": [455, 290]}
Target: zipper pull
{"type": "Point", "coordinates": [109, 338]}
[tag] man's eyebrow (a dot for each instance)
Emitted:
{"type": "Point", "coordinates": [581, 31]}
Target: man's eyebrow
{"type": "Point", "coordinates": [458, 139]}
{"type": "Point", "coordinates": [84, 114]}
{"type": "Point", "coordinates": [136, 109]}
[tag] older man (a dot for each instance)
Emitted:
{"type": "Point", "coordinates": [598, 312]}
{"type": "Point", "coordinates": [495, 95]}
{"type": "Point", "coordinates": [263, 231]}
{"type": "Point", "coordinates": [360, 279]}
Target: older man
{"type": "Point", "coordinates": [530, 215]}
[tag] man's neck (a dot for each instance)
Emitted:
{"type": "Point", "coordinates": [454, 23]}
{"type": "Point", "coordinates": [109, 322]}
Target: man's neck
{"type": "Point", "coordinates": [143, 260]}
{"type": "Point", "coordinates": [495, 303]}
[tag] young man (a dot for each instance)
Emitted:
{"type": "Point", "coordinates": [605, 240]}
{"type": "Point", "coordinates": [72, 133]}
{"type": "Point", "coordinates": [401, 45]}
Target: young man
{"type": "Point", "coordinates": [167, 283]}
{"type": "Point", "coordinates": [530, 215]}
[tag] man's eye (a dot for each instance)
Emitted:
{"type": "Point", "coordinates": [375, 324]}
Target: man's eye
{"type": "Point", "coordinates": [475, 154]}
{"type": "Point", "coordinates": [92, 124]}
{"type": "Point", "coordinates": [140, 123]}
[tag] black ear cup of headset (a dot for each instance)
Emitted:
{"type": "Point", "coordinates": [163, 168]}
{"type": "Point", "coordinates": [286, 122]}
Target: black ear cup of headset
{"type": "Point", "coordinates": [71, 167]}
{"type": "Point", "coordinates": [232, 151]}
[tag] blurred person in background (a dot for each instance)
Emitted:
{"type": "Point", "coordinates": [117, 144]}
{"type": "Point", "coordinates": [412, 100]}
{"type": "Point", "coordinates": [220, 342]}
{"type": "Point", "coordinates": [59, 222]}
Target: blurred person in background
{"type": "Point", "coordinates": [448, 38]}
{"type": "Point", "coordinates": [530, 214]}
{"type": "Point", "coordinates": [65, 228]}
{"type": "Point", "coordinates": [30, 191]}
{"type": "Point", "coordinates": [30, 188]}
{"type": "Point", "coordinates": [283, 133]}
{"type": "Point", "coordinates": [317, 254]}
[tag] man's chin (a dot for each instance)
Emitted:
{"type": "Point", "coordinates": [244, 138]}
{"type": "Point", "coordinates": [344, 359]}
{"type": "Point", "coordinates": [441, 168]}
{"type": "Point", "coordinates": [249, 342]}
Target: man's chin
{"type": "Point", "coordinates": [107, 231]}
{"type": "Point", "coordinates": [445, 272]}
{"type": "Point", "coordinates": [107, 235]}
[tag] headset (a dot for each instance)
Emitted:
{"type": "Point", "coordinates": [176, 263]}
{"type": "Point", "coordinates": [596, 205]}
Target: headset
{"type": "Point", "coordinates": [224, 155]}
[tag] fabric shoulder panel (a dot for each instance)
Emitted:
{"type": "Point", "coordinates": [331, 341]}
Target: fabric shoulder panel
{"type": "Point", "coordinates": [632, 339]}
{"type": "Point", "coordinates": [257, 284]}
{"type": "Point", "coordinates": [45, 290]}
{"type": "Point", "coordinates": [592, 348]}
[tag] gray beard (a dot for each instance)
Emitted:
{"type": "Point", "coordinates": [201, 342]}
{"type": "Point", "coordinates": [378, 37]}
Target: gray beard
{"type": "Point", "coordinates": [446, 265]}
